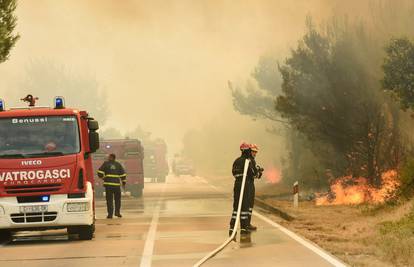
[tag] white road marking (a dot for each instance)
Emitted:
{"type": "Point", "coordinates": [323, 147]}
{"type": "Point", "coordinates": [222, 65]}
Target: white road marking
{"type": "Point", "coordinates": [331, 259]}
{"type": "Point", "coordinates": [204, 181]}
{"type": "Point", "coordinates": [149, 242]}
{"type": "Point", "coordinates": [215, 188]}
{"type": "Point", "coordinates": [146, 259]}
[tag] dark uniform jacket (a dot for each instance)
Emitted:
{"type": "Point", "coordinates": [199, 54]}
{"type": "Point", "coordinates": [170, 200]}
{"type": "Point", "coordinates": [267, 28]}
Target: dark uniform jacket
{"type": "Point", "coordinates": [238, 168]}
{"type": "Point", "coordinates": [113, 173]}
{"type": "Point", "coordinates": [259, 170]}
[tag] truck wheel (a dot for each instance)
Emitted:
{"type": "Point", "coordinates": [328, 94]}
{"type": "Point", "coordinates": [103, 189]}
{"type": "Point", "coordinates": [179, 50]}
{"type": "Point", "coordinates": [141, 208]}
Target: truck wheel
{"type": "Point", "coordinates": [5, 235]}
{"type": "Point", "coordinates": [136, 191]}
{"type": "Point", "coordinates": [85, 232]}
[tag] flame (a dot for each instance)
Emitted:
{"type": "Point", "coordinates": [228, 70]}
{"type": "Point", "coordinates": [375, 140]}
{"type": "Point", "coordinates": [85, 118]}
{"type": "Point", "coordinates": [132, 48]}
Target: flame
{"type": "Point", "coordinates": [273, 175]}
{"type": "Point", "coordinates": [349, 190]}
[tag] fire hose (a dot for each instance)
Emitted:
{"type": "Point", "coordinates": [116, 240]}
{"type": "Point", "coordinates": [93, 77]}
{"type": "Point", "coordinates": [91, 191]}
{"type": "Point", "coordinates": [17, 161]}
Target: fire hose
{"type": "Point", "coordinates": [234, 230]}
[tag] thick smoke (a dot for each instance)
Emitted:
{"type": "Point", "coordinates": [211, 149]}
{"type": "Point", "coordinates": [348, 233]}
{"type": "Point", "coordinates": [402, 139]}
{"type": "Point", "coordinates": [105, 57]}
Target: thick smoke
{"type": "Point", "coordinates": [164, 65]}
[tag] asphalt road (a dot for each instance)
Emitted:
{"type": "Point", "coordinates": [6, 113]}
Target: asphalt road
{"type": "Point", "coordinates": [175, 224]}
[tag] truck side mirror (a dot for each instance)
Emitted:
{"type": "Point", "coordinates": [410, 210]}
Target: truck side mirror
{"type": "Point", "coordinates": [93, 125]}
{"type": "Point", "coordinates": [93, 141]}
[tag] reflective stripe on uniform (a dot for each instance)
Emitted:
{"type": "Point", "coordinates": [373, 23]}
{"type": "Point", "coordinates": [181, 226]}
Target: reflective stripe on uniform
{"type": "Point", "coordinates": [115, 184]}
{"type": "Point", "coordinates": [102, 172]}
{"type": "Point", "coordinates": [113, 176]}
{"type": "Point", "coordinates": [238, 175]}
{"type": "Point", "coordinates": [122, 175]}
{"type": "Point", "coordinates": [241, 217]}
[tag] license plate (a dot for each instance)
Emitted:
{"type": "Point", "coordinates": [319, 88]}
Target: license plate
{"type": "Point", "coordinates": [32, 209]}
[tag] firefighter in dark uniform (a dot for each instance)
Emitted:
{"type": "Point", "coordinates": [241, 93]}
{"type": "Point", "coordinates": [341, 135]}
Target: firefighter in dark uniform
{"type": "Point", "coordinates": [252, 191]}
{"type": "Point", "coordinates": [113, 174]}
{"type": "Point", "coordinates": [238, 169]}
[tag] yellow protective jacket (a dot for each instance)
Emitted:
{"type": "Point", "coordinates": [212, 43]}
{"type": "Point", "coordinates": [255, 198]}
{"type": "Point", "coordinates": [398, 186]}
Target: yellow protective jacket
{"type": "Point", "coordinates": [113, 173]}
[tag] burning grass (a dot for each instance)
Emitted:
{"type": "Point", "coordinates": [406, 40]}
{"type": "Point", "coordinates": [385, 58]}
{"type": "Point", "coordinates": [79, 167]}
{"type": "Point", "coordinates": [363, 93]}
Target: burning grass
{"type": "Point", "coordinates": [355, 233]}
{"type": "Point", "coordinates": [350, 190]}
{"type": "Point", "coordinates": [362, 224]}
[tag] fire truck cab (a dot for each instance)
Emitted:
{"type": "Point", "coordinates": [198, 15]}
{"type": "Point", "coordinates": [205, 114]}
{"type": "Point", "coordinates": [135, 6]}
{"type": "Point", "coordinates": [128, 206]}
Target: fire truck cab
{"type": "Point", "coordinates": [46, 176]}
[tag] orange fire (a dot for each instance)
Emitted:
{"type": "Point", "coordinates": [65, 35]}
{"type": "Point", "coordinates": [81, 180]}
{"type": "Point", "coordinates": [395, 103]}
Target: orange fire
{"type": "Point", "coordinates": [349, 190]}
{"type": "Point", "coordinates": [273, 175]}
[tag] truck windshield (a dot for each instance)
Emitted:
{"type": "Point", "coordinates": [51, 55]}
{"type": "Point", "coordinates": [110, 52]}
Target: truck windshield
{"type": "Point", "coordinates": [38, 136]}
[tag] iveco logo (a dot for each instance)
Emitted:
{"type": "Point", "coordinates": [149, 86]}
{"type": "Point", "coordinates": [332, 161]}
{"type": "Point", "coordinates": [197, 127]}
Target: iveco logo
{"type": "Point", "coordinates": [31, 162]}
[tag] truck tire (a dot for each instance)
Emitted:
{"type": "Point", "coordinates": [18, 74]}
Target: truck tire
{"type": "Point", "coordinates": [5, 235]}
{"type": "Point", "coordinates": [84, 232]}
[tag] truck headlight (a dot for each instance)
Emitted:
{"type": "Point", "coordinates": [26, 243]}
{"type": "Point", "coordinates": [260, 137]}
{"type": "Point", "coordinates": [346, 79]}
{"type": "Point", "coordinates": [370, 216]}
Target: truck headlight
{"type": "Point", "coordinates": [1, 210]}
{"type": "Point", "coordinates": [77, 206]}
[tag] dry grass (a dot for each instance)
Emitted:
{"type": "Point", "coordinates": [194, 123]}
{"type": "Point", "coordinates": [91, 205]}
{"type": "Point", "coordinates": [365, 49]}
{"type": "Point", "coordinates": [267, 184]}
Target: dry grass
{"type": "Point", "coordinates": [359, 235]}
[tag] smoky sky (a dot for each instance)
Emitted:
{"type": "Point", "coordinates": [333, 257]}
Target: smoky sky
{"type": "Point", "coordinates": [164, 64]}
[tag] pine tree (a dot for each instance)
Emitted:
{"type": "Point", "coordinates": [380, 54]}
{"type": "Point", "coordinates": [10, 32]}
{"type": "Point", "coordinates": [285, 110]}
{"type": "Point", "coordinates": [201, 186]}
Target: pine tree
{"type": "Point", "coordinates": [7, 24]}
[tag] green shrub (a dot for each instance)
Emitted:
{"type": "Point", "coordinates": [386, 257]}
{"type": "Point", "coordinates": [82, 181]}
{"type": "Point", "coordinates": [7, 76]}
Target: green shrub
{"type": "Point", "coordinates": [407, 179]}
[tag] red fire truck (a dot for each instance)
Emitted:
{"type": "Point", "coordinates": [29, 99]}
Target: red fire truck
{"type": "Point", "coordinates": [155, 162]}
{"type": "Point", "coordinates": [130, 153]}
{"type": "Point", "coordinates": [46, 176]}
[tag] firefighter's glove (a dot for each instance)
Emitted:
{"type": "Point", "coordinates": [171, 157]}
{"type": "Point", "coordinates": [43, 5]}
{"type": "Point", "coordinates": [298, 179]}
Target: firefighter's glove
{"type": "Point", "coordinates": [260, 171]}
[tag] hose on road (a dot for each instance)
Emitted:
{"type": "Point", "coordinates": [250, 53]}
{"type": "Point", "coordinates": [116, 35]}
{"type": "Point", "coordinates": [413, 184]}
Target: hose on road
{"type": "Point", "coordinates": [233, 234]}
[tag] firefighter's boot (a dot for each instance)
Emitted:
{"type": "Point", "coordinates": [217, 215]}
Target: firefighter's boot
{"type": "Point", "coordinates": [244, 231]}
{"type": "Point", "coordinates": [246, 239]}
{"type": "Point", "coordinates": [245, 236]}
{"type": "Point", "coordinates": [252, 228]}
